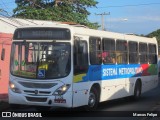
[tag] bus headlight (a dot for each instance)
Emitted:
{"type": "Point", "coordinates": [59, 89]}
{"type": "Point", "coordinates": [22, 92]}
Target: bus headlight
{"type": "Point", "coordinates": [62, 90]}
{"type": "Point", "coordinates": [14, 88]}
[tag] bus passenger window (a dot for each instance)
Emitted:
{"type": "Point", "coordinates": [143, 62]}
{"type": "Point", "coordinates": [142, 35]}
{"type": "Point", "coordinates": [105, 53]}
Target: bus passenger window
{"type": "Point", "coordinates": [108, 54]}
{"type": "Point", "coordinates": [143, 58]}
{"type": "Point", "coordinates": [152, 54]}
{"type": "Point", "coordinates": [133, 52]}
{"type": "Point", "coordinates": [121, 52]}
{"type": "Point", "coordinates": [95, 50]}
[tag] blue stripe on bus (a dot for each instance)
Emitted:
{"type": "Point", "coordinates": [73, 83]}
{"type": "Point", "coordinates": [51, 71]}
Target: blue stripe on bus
{"type": "Point", "coordinates": [108, 72]}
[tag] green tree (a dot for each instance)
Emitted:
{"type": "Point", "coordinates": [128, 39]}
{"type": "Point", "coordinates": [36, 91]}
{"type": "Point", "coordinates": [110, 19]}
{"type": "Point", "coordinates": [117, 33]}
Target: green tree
{"type": "Point", "coordinates": [155, 34]}
{"type": "Point", "coordinates": [56, 10]}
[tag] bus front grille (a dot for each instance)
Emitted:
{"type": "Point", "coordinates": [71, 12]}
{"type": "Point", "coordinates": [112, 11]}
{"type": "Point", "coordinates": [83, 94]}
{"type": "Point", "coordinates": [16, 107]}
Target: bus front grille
{"type": "Point", "coordinates": [33, 99]}
{"type": "Point", "coordinates": [33, 92]}
{"type": "Point", "coordinates": [38, 85]}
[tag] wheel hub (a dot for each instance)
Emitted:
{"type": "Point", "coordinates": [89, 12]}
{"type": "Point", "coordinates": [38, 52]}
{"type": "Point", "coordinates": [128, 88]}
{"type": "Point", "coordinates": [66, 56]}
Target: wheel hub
{"type": "Point", "coordinates": [91, 99]}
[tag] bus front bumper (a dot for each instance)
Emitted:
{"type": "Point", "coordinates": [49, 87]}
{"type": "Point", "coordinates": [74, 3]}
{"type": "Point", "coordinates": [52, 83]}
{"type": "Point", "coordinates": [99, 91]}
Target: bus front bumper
{"type": "Point", "coordinates": [24, 99]}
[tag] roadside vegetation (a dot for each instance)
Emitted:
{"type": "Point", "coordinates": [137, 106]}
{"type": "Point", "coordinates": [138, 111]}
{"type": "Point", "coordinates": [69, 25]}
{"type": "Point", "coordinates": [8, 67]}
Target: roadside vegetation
{"type": "Point", "coordinates": [74, 11]}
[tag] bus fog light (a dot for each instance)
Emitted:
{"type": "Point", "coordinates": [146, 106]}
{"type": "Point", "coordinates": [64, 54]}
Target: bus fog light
{"type": "Point", "coordinates": [14, 88]}
{"type": "Point", "coordinates": [62, 90]}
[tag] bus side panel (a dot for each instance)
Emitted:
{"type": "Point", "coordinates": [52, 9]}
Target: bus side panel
{"type": "Point", "coordinates": [147, 74]}
{"type": "Point", "coordinates": [80, 94]}
{"type": "Point", "coordinates": [149, 83]}
{"type": "Point", "coordinates": [112, 89]}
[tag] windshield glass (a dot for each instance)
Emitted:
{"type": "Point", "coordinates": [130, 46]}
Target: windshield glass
{"type": "Point", "coordinates": [41, 60]}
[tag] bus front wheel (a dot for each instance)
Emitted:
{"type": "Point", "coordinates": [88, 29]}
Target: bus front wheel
{"type": "Point", "coordinates": [92, 100]}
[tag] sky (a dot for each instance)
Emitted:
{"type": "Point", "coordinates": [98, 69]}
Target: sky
{"type": "Point", "coordinates": [126, 16]}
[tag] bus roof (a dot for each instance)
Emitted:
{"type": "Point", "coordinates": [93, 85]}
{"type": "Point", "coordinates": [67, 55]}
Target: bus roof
{"type": "Point", "coordinates": [84, 31]}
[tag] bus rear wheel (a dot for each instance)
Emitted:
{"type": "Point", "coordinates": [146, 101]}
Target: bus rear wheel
{"type": "Point", "coordinates": [137, 90]}
{"type": "Point", "coordinates": [93, 100]}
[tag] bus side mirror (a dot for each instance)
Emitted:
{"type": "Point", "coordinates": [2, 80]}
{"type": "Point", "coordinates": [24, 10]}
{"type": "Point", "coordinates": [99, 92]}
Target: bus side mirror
{"type": "Point", "coordinates": [3, 54]}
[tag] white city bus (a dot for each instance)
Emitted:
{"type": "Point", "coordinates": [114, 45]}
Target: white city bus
{"type": "Point", "coordinates": [71, 66]}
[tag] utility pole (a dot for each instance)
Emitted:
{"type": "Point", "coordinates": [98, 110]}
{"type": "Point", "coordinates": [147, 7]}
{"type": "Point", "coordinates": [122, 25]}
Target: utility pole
{"type": "Point", "coordinates": [102, 18]}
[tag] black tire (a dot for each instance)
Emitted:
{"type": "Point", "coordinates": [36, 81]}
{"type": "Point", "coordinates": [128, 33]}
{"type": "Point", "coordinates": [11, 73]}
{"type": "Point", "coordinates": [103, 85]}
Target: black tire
{"type": "Point", "coordinates": [93, 100]}
{"type": "Point", "coordinates": [137, 91]}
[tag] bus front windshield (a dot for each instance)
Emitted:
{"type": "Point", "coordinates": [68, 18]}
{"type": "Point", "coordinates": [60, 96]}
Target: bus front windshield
{"type": "Point", "coordinates": [41, 60]}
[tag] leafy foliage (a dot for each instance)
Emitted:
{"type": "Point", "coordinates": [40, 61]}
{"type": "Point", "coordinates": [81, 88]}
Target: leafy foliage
{"type": "Point", "coordinates": [155, 34]}
{"type": "Point", "coordinates": [56, 10]}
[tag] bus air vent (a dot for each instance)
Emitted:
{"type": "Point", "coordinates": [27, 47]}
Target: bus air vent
{"type": "Point", "coordinates": [33, 99]}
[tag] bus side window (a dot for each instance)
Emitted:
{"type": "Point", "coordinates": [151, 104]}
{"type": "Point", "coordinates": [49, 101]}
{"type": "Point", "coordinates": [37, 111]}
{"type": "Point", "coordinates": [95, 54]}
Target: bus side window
{"type": "Point", "coordinates": [152, 54]}
{"type": "Point", "coordinates": [133, 52]}
{"type": "Point", "coordinates": [3, 54]}
{"type": "Point", "coordinates": [121, 52]}
{"type": "Point", "coordinates": [143, 57]}
{"type": "Point", "coordinates": [108, 55]}
{"type": "Point", "coordinates": [95, 52]}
